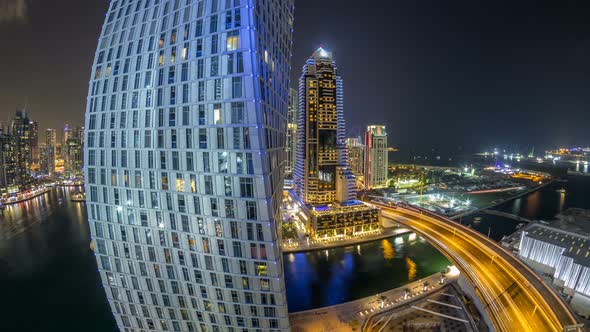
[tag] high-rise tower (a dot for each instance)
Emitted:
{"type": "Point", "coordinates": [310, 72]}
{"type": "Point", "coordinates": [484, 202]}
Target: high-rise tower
{"type": "Point", "coordinates": [324, 185]}
{"type": "Point", "coordinates": [292, 119]}
{"type": "Point", "coordinates": [50, 137]}
{"type": "Point", "coordinates": [320, 130]}
{"type": "Point", "coordinates": [354, 147]}
{"type": "Point", "coordinates": [34, 142]}
{"type": "Point", "coordinates": [20, 132]}
{"type": "Point", "coordinates": [376, 159]}
{"type": "Point", "coordinates": [184, 156]}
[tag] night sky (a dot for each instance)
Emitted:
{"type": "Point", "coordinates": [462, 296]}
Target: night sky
{"type": "Point", "coordinates": [437, 73]}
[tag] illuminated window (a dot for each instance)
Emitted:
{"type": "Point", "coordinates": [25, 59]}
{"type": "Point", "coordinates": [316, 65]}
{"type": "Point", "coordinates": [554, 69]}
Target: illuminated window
{"type": "Point", "coordinates": [261, 269]}
{"type": "Point", "coordinates": [233, 40]}
{"type": "Point", "coordinates": [217, 114]}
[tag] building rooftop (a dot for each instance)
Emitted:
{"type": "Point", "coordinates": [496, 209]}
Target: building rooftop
{"type": "Point", "coordinates": [350, 206]}
{"type": "Point", "coordinates": [576, 246]}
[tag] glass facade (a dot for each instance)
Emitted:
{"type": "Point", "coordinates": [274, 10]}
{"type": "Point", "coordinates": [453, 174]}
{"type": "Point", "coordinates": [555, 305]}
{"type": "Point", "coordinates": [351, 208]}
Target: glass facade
{"type": "Point", "coordinates": [184, 152]}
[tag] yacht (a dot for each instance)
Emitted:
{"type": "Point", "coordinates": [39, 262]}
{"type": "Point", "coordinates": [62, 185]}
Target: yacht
{"type": "Point", "coordinates": [78, 196]}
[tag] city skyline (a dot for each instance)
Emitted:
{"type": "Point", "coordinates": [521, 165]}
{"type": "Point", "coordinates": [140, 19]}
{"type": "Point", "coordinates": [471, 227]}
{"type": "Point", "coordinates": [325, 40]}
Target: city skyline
{"type": "Point", "coordinates": [531, 76]}
{"type": "Point", "coordinates": [204, 192]}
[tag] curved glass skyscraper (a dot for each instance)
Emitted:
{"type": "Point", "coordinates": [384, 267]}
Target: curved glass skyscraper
{"type": "Point", "coordinates": [184, 154]}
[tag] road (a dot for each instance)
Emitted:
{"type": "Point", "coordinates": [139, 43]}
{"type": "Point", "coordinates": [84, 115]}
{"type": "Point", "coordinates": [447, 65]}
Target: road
{"type": "Point", "coordinates": [515, 297]}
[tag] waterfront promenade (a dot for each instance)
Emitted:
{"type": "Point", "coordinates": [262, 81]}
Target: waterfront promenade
{"type": "Point", "coordinates": [304, 246]}
{"type": "Point", "coordinates": [28, 196]}
{"type": "Point", "coordinates": [350, 316]}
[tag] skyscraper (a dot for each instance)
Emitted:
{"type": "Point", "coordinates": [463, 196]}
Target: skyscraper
{"type": "Point", "coordinates": [73, 157]}
{"type": "Point", "coordinates": [20, 133]}
{"type": "Point", "coordinates": [50, 137]}
{"type": "Point", "coordinates": [7, 163]}
{"type": "Point", "coordinates": [376, 159]}
{"type": "Point", "coordinates": [72, 150]}
{"type": "Point", "coordinates": [80, 135]}
{"type": "Point", "coordinates": [354, 147]}
{"type": "Point", "coordinates": [319, 143]}
{"type": "Point", "coordinates": [34, 142]}
{"type": "Point", "coordinates": [323, 182]}
{"type": "Point", "coordinates": [191, 132]}
{"type": "Point", "coordinates": [292, 119]}
{"type": "Point", "coordinates": [47, 159]}
{"type": "Point", "coordinates": [67, 134]}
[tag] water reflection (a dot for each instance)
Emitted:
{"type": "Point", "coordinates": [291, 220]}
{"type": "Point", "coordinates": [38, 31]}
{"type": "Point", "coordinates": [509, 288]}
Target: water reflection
{"type": "Point", "coordinates": [561, 201]}
{"type": "Point", "coordinates": [44, 255]}
{"type": "Point", "coordinates": [517, 206]}
{"type": "Point", "coordinates": [532, 205]}
{"type": "Point", "coordinates": [412, 270]}
{"type": "Point", "coordinates": [315, 279]}
{"type": "Point", "coordinates": [388, 251]}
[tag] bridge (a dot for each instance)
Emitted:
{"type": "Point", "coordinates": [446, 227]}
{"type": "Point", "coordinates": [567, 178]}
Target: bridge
{"type": "Point", "coordinates": [514, 296]}
{"type": "Point", "coordinates": [507, 215]}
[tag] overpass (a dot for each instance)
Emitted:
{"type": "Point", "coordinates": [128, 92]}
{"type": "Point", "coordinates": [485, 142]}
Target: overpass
{"type": "Point", "coordinates": [514, 296]}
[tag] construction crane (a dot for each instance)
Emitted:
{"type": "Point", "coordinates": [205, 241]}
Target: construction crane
{"type": "Point", "coordinates": [422, 181]}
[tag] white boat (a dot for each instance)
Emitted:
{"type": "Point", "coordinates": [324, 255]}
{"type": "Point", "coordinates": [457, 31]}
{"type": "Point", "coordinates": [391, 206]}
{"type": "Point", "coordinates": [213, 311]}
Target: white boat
{"type": "Point", "coordinates": [78, 196]}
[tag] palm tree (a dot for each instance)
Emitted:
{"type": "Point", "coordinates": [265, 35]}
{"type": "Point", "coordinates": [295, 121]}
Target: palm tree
{"type": "Point", "coordinates": [407, 293]}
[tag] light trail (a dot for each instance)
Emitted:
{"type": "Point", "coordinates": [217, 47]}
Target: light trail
{"type": "Point", "coordinates": [514, 296]}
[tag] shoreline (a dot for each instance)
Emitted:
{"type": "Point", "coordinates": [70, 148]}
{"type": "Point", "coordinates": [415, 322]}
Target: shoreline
{"type": "Point", "coordinates": [493, 205]}
{"type": "Point", "coordinates": [339, 244]}
{"type": "Point", "coordinates": [41, 192]}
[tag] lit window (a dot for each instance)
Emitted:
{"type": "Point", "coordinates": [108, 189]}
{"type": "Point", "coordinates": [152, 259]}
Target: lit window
{"type": "Point", "coordinates": [232, 42]}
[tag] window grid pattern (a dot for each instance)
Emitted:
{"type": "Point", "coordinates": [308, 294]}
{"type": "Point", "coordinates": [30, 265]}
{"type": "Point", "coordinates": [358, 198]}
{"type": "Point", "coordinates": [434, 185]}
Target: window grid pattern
{"type": "Point", "coordinates": [186, 121]}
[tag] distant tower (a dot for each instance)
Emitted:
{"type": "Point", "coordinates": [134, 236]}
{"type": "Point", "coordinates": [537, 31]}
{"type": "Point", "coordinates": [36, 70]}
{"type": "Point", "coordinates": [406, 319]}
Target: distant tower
{"type": "Point", "coordinates": [376, 159]}
{"type": "Point", "coordinates": [50, 137]}
{"type": "Point", "coordinates": [73, 157]}
{"type": "Point", "coordinates": [7, 163]}
{"type": "Point", "coordinates": [80, 135]}
{"type": "Point", "coordinates": [67, 134]}
{"type": "Point", "coordinates": [34, 142]}
{"type": "Point", "coordinates": [354, 148]}
{"type": "Point", "coordinates": [320, 130]}
{"type": "Point", "coordinates": [20, 131]}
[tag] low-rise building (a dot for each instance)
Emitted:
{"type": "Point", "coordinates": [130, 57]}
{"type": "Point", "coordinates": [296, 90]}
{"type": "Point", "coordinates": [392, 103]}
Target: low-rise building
{"type": "Point", "coordinates": [352, 218]}
{"type": "Point", "coordinates": [563, 255]}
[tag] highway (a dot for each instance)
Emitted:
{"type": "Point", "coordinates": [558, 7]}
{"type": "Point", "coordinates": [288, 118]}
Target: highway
{"type": "Point", "coordinates": [514, 296]}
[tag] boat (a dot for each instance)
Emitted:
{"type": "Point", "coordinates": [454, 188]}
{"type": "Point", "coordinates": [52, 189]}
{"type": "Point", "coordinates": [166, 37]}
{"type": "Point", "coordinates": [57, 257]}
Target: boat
{"type": "Point", "coordinates": [561, 191]}
{"type": "Point", "coordinates": [78, 196]}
